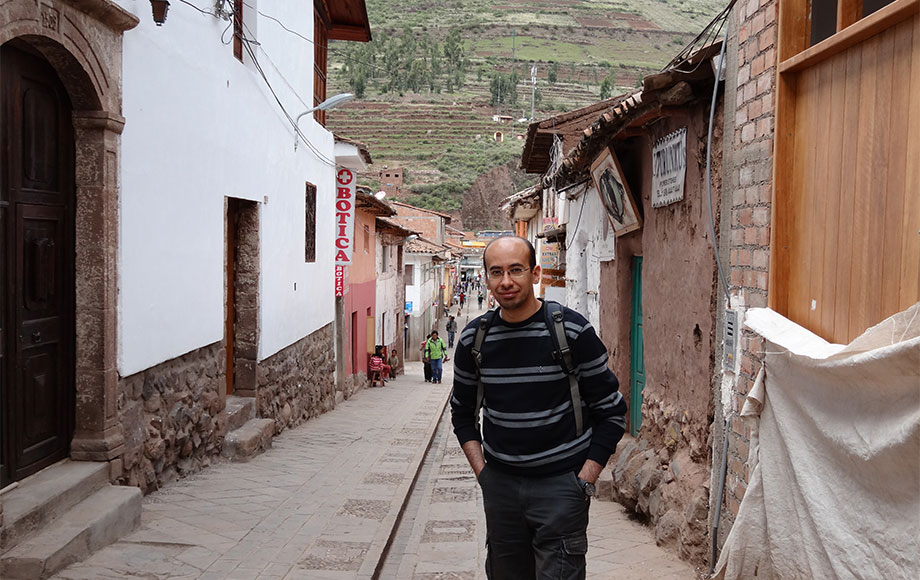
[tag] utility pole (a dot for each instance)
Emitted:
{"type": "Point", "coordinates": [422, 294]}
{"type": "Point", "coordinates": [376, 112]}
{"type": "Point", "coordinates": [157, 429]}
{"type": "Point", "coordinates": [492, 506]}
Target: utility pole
{"type": "Point", "coordinates": [533, 88]}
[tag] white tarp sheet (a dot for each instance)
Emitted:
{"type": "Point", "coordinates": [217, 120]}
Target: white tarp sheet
{"type": "Point", "coordinates": [834, 489]}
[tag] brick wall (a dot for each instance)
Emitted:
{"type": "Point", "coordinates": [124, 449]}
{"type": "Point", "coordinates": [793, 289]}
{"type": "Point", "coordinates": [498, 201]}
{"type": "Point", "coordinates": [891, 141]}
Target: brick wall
{"type": "Point", "coordinates": [748, 205]}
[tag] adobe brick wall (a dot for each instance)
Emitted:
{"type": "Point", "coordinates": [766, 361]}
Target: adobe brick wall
{"type": "Point", "coordinates": [748, 166]}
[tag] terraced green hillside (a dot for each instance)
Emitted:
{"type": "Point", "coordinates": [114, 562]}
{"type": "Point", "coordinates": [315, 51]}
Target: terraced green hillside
{"type": "Point", "coordinates": [443, 137]}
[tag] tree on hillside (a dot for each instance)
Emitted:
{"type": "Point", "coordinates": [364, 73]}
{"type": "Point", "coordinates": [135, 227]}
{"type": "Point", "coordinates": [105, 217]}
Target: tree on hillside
{"type": "Point", "coordinates": [503, 89]}
{"type": "Point", "coordinates": [455, 61]}
{"type": "Point", "coordinates": [607, 87]}
{"type": "Point", "coordinates": [552, 74]}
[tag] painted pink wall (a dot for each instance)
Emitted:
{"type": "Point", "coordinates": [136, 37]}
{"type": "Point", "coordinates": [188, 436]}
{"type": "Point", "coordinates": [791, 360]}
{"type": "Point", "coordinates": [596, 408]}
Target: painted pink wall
{"type": "Point", "coordinates": [364, 264]}
{"type": "Point", "coordinates": [361, 297]}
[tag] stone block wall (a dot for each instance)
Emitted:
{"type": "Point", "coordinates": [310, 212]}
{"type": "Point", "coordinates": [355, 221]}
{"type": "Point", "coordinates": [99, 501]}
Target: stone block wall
{"type": "Point", "coordinates": [747, 203]}
{"type": "Point", "coordinates": [298, 382]}
{"type": "Point", "coordinates": [173, 418]}
{"type": "Point", "coordinates": [173, 414]}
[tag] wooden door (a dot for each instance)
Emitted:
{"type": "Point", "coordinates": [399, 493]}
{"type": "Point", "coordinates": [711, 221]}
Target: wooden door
{"type": "Point", "coordinates": [232, 227]}
{"type": "Point", "coordinates": [637, 352]}
{"type": "Point", "coordinates": [37, 198]}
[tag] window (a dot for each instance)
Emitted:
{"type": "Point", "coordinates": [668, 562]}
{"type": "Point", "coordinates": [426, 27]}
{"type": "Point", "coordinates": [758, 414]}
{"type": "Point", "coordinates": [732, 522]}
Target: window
{"type": "Point", "coordinates": [367, 240]}
{"type": "Point", "coordinates": [385, 256]}
{"type": "Point", "coordinates": [399, 257]}
{"type": "Point", "coordinates": [810, 23]}
{"type": "Point", "coordinates": [410, 275]}
{"type": "Point", "coordinates": [320, 50]}
{"type": "Point", "coordinates": [238, 29]}
{"type": "Point", "coordinates": [310, 223]}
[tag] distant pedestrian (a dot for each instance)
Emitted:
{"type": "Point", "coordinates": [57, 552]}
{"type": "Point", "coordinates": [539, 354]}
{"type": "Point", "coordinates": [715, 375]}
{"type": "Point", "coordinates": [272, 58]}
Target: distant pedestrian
{"type": "Point", "coordinates": [480, 298]}
{"type": "Point", "coordinates": [394, 362]}
{"type": "Point", "coordinates": [451, 331]}
{"type": "Point", "coordinates": [435, 349]}
{"type": "Point", "coordinates": [462, 299]}
{"type": "Point", "coordinates": [426, 361]}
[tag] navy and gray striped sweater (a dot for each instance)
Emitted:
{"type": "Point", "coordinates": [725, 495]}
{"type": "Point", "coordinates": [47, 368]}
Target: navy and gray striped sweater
{"type": "Point", "coordinates": [528, 424]}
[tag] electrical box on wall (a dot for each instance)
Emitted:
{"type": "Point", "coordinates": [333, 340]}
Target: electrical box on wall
{"type": "Point", "coordinates": [730, 340]}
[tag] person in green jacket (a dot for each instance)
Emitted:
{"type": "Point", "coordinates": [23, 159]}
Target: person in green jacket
{"type": "Point", "coordinates": [437, 354]}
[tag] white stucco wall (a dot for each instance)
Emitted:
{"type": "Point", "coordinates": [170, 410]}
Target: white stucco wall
{"type": "Point", "coordinates": [590, 241]}
{"type": "Point", "coordinates": [389, 297]}
{"type": "Point", "coordinates": [202, 126]}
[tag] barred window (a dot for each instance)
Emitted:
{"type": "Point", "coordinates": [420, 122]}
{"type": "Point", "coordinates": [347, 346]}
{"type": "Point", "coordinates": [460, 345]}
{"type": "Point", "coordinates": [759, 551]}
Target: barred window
{"type": "Point", "coordinates": [310, 223]}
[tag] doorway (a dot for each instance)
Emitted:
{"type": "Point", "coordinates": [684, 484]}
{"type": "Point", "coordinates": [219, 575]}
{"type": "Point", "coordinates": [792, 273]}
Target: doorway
{"type": "Point", "coordinates": [37, 266]}
{"type": "Point", "coordinates": [241, 331]}
{"type": "Point", "coordinates": [637, 351]}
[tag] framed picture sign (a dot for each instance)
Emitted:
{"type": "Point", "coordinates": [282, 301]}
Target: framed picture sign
{"type": "Point", "coordinates": [615, 195]}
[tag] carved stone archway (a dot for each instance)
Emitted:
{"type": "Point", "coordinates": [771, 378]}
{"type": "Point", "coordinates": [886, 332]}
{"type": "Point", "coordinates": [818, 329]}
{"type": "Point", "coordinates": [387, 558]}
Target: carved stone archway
{"type": "Point", "coordinates": [82, 40]}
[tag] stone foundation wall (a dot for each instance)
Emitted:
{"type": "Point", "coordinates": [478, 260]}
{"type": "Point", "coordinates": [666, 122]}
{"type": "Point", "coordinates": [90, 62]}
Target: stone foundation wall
{"type": "Point", "coordinates": [173, 418]}
{"type": "Point", "coordinates": [668, 488]}
{"type": "Point", "coordinates": [298, 382]}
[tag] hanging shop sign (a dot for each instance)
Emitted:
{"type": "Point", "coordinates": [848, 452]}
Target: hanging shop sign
{"type": "Point", "coordinates": [340, 280]}
{"type": "Point", "coordinates": [615, 194]}
{"type": "Point", "coordinates": [344, 215]}
{"type": "Point", "coordinates": [669, 168]}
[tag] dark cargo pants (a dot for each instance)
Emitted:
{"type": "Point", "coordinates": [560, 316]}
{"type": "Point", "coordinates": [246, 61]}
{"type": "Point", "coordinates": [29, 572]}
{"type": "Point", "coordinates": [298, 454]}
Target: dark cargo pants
{"type": "Point", "coordinates": [536, 527]}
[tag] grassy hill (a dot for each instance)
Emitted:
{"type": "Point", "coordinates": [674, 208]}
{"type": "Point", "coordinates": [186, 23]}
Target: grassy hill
{"type": "Point", "coordinates": [442, 135]}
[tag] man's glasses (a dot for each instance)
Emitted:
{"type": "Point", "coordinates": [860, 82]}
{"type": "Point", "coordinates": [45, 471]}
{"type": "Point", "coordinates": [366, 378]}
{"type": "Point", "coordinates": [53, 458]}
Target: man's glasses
{"type": "Point", "coordinates": [498, 274]}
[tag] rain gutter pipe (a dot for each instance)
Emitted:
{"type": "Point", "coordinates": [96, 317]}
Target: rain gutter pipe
{"type": "Point", "coordinates": [724, 467]}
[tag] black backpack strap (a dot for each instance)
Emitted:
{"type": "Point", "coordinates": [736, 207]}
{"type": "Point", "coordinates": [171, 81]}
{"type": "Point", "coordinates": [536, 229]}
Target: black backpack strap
{"type": "Point", "coordinates": [555, 315]}
{"type": "Point", "coordinates": [484, 323]}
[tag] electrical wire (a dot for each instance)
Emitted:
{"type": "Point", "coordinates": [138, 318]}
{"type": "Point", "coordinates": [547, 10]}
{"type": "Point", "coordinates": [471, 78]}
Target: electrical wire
{"type": "Point", "coordinates": [202, 10]}
{"type": "Point", "coordinates": [247, 45]}
{"type": "Point", "coordinates": [584, 199]}
{"type": "Point", "coordinates": [327, 48]}
{"type": "Point", "coordinates": [712, 113]}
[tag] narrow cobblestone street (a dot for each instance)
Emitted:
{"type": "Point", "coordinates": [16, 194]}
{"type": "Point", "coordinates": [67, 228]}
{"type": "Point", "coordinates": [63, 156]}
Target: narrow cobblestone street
{"type": "Point", "coordinates": [334, 499]}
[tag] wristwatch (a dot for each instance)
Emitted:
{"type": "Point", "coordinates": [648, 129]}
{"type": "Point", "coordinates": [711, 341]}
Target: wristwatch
{"type": "Point", "coordinates": [589, 488]}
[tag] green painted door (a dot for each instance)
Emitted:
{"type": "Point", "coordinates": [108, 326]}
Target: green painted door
{"type": "Point", "coordinates": [637, 352]}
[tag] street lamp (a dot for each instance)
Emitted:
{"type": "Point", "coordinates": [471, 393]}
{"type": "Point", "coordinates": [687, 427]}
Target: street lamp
{"type": "Point", "coordinates": [160, 8]}
{"type": "Point", "coordinates": [330, 103]}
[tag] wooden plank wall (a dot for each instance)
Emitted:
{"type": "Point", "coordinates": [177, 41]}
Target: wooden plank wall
{"type": "Point", "coordinates": [849, 220]}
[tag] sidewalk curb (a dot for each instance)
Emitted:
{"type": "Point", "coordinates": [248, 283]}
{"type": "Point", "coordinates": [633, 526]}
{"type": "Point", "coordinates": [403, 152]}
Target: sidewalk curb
{"type": "Point", "coordinates": [380, 547]}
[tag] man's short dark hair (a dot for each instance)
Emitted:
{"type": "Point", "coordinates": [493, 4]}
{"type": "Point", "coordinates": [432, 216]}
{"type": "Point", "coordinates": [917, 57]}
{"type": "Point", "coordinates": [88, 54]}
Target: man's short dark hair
{"type": "Point", "coordinates": [533, 252]}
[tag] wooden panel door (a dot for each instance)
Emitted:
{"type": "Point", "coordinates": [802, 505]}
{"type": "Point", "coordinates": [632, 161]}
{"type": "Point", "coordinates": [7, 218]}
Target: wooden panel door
{"type": "Point", "coordinates": [37, 152]}
{"type": "Point", "coordinates": [637, 352]}
{"type": "Point", "coordinates": [847, 213]}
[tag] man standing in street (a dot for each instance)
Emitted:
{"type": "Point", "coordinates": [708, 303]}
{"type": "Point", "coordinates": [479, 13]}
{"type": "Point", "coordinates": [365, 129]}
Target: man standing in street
{"type": "Point", "coordinates": [436, 351]}
{"type": "Point", "coordinates": [538, 457]}
{"type": "Point", "coordinates": [451, 331]}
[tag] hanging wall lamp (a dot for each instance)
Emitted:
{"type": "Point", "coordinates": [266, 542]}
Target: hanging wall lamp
{"type": "Point", "coordinates": [330, 103]}
{"type": "Point", "coordinates": [160, 8]}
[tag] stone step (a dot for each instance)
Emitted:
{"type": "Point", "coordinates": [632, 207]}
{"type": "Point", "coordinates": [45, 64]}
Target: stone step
{"type": "Point", "coordinates": [92, 524]}
{"type": "Point", "coordinates": [239, 410]}
{"type": "Point", "coordinates": [42, 498]}
{"type": "Point", "coordinates": [249, 440]}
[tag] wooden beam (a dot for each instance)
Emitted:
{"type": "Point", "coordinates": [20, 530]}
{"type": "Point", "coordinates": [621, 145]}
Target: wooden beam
{"type": "Point", "coordinates": [349, 32]}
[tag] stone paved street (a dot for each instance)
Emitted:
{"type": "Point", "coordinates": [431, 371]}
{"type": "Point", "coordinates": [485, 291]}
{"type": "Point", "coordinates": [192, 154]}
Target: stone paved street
{"type": "Point", "coordinates": [325, 501]}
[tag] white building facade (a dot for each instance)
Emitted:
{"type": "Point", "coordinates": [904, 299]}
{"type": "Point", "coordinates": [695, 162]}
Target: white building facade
{"type": "Point", "coordinates": [202, 260]}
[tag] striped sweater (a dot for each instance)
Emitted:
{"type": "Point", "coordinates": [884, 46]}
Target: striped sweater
{"type": "Point", "coordinates": [528, 425]}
